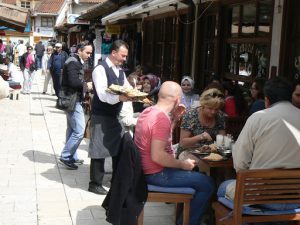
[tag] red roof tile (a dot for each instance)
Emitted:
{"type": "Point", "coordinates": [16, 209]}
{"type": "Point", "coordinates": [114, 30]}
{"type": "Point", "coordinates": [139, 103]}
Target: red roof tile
{"type": "Point", "coordinates": [12, 2]}
{"type": "Point", "coordinates": [91, 1]}
{"type": "Point", "coordinates": [49, 6]}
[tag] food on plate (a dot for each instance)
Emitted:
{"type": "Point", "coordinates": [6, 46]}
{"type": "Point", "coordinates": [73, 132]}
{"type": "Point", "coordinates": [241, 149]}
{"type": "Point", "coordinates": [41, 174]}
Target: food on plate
{"type": "Point", "coordinates": [213, 157]}
{"type": "Point", "coordinates": [130, 92]}
{"type": "Point", "coordinates": [213, 147]}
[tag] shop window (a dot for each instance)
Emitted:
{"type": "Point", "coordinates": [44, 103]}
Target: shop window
{"type": "Point", "coordinates": [46, 22]}
{"type": "Point", "coordinates": [25, 4]}
{"type": "Point", "coordinates": [247, 45]}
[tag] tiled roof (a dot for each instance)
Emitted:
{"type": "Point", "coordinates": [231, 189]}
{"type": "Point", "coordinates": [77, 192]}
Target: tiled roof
{"type": "Point", "coordinates": [12, 2]}
{"type": "Point", "coordinates": [91, 1]}
{"type": "Point", "coordinates": [49, 6]}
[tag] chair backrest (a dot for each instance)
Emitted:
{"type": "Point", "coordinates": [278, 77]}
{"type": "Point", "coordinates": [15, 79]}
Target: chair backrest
{"type": "Point", "coordinates": [266, 186]}
{"type": "Point", "coordinates": [234, 125]}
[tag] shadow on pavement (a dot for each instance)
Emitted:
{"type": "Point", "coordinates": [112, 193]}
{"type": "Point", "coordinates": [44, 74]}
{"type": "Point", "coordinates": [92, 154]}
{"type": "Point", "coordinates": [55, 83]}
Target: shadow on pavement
{"type": "Point", "coordinates": [60, 173]}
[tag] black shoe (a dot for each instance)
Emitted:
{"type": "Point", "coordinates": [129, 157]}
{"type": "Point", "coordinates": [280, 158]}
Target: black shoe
{"type": "Point", "coordinates": [97, 190]}
{"type": "Point", "coordinates": [69, 164]}
{"type": "Point", "coordinates": [44, 93]}
{"type": "Point", "coordinates": [79, 161]}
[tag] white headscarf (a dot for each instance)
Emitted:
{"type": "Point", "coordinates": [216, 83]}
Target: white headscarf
{"type": "Point", "coordinates": [189, 79]}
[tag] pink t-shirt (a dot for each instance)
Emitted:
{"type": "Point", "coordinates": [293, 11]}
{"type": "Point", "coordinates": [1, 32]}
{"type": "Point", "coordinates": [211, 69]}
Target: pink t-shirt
{"type": "Point", "coordinates": [153, 124]}
{"type": "Point", "coordinates": [29, 61]}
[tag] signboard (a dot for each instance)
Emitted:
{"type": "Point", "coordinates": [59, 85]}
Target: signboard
{"type": "Point", "coordinates": [113, 29]}
{"type": "Point", "coordinates": [73, 19]}
{"type": "Point", "coordinates": [13, 16]}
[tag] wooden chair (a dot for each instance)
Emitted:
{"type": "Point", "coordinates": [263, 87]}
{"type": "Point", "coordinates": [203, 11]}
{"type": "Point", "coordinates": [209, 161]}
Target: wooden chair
{"type": "Point", "coordinates": [234, 125]}
{"type": "Point", "coordinates": [266, 186]}
{"type": "Point", "coordinates": [155, 194]}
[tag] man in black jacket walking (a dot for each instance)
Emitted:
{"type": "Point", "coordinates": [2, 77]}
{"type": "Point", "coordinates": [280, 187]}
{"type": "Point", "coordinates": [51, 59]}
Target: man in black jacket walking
{"type": "Point", "coordinates": [73, 78]}
{"type": "Point", "coordinates": [55, 65]}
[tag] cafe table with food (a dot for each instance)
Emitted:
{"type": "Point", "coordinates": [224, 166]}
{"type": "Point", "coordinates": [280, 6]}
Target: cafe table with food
{"type": "Point", "coordinates": [203, 137]}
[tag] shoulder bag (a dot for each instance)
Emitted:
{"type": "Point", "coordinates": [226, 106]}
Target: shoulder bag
{"type": "Point", "coordinates": [67, 99]}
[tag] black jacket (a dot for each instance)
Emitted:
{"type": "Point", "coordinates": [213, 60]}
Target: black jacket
{"type": "Point", "coordinates": [23, 62]}
{"type": "Point", "coordinates": [73, 75]}
{"type": "Point", "coordinates": [128, 193]}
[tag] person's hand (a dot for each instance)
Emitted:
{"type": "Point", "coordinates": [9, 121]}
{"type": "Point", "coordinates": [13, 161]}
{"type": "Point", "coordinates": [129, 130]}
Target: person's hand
{"type": "Point", "coordinates": [89, 86]}
{"type": "Point", "coordinates": [205, 137]}
{"type": "Point", "coordinates": [124, 98]}
{"type": "Point", "coordinates": [178, 112]}
{"type": "Point", "coordinates": [188, 164]}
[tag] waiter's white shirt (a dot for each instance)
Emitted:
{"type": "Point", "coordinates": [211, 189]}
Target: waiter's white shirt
{"type": "Point", "coordinates": [100, 82]}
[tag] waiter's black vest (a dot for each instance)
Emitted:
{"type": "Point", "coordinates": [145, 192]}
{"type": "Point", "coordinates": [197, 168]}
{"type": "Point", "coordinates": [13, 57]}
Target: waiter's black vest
{"type": "Point", "coordinates": [103, 108]}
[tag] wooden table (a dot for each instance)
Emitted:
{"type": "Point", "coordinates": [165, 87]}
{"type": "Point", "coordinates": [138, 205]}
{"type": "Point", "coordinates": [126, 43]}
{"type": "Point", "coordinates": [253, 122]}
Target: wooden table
{"type": "Point", "coordinates": [219, 170]}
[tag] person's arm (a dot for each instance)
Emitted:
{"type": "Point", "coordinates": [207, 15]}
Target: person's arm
{"type": "Point", "coordinates": [100, 82]}
{"type": "Point", "coordinates": [126, 115]}
{"type": "Point", "coordinates": [72, 70]}
{"type": "Point", "coordinates": [242, 151]}
{"type": "Point", "coordinates": [161, 157]}
{"type": "Point", "coordinates": [159, 139]}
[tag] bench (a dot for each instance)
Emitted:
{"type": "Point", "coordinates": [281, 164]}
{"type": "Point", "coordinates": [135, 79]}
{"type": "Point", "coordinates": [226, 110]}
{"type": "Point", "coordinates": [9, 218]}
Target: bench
{"type": "Point", "coordinates": [171, 195]}
{"type": "Point", "coordinates": [264, 186]}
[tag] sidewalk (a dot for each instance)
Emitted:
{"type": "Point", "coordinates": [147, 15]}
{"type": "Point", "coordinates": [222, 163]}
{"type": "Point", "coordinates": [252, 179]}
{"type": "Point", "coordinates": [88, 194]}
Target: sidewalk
{"type": "Point", "coordinates": [35, 189]}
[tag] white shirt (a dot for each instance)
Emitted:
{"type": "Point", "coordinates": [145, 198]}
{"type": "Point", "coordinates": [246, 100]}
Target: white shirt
{"type": "Point", "coordinates": [100, 82]}
{"type": "Point", "coordinates": [15, 73]}
{"type": "Point", "coordinates": [21, 48]}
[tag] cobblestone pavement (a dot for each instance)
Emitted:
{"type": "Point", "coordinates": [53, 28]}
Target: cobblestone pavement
{"type": "Point", "coordinates": [35, 189]}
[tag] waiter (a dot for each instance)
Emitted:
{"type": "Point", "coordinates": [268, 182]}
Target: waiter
{"type": "Point", "coordinates": [106, 130]}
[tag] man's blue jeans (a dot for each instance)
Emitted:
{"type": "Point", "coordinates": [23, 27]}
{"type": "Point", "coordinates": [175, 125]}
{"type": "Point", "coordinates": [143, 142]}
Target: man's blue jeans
{"type": "Point", "coordinates": [203, 185]}
{"type": "Point", "coordinates": [38, 60]}
{"type": "Point", "coordinates": [74, 133]}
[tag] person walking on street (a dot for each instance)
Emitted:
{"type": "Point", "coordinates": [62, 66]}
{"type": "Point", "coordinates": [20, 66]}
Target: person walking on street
{"type": "Point", "coordinates": [21, 49]}
{"type": "Point", "coordinates": [46, 72]}
{"type": "Point", "coordinates": [55, 65]}
{"type": "Point", "coordinates": [39, 52]}
{"type": "Point", "coordinates": [73, 78]}
{"type": "Point", "coordinates": [27, 65]}
{"type": "Point", "coordinates": [106, 129]}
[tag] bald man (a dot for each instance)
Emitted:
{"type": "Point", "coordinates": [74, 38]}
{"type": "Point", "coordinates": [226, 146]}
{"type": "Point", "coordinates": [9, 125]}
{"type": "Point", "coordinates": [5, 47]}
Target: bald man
{"type": "Point", "coordinates": [153, 137]}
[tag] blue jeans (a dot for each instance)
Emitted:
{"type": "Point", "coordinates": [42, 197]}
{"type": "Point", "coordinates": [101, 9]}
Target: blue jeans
{"type": "Point", "coordinates": [203, 185]}
{"type": "Point", "coordinates": [38, 60]}
{"type": "Point", "coordinates": [74, 133]}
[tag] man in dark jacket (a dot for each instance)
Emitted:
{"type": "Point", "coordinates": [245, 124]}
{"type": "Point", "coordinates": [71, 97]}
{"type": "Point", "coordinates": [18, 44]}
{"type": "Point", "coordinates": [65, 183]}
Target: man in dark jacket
{"type": "Point", "coordinates": [73, 78]}
{"type": "Point", "coordinates": [39, 52]}
{"type": "Point", "coordinates": [55, 65]}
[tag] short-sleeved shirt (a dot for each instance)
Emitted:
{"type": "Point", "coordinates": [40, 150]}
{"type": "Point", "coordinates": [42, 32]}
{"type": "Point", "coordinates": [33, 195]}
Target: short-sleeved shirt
{"type": "Point", "coordinates": [190, 122]}
{"type": "Point", "coordinates": [153, 124]}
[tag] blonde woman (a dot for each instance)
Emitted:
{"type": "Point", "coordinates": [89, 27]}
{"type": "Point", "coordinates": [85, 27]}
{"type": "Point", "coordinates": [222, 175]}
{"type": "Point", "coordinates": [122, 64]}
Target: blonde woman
{"type": "Point", "coordinates": [201, 125]}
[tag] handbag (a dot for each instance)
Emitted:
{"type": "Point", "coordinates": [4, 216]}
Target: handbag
{"type": "Point", "coordinates": [67, 99]}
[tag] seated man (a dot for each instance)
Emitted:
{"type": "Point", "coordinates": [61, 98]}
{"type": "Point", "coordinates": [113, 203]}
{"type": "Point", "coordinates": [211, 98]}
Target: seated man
{"type": "Point", "coordinates": [15, 75]}
{"type": "Point", "coordinates": [270, 137]}
{"type": "Point", "coordinates": [153, 138]}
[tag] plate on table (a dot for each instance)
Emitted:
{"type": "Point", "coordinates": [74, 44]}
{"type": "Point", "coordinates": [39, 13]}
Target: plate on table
{"type": "Point", "coordinates": [203, 150]}
{"type": "Point", "coordinates": [214, 157]}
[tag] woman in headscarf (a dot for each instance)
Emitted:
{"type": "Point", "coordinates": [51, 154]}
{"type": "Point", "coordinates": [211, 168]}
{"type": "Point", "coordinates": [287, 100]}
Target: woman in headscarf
{"type": "Point", "coordinates": [150, 84]}
{"type": "Point", "coordinates": [189, 98]}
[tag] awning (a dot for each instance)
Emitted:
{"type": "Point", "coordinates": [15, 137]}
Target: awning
{"type": "Point", "coordinates": [103, 8]}
{"type": "Point", "coordinates": [136, 9]}
{"type": "Point", "coordinates": [13, 16]}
